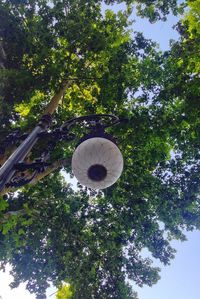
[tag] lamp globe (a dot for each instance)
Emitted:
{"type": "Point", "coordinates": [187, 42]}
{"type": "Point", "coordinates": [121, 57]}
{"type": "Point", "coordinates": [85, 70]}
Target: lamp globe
{"type": "Point", "coordinates": [97, 162]}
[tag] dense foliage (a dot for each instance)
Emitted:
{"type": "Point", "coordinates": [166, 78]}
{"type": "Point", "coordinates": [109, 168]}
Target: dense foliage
{"type": "Point", "coordinates": [93, 240]}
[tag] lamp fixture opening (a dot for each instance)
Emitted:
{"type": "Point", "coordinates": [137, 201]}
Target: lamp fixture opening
{"type": "Point", "coordinates": [97, 172]}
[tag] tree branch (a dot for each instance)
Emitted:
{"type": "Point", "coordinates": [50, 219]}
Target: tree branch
{"type": "Point", "coordinates": [9, 214]}
{"type": "Point", "coordinates": [56, 98]}
{"type": "Point", "coordinates": [54, 166]}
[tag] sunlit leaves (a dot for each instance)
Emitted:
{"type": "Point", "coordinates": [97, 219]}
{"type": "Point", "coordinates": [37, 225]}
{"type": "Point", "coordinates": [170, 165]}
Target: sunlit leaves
{"type": "Point", "coordinates": [24, 108]}
{"type": "Point", "coordinates": [192, 18]}
{"type": "Point", "coordinates": [64, 292]}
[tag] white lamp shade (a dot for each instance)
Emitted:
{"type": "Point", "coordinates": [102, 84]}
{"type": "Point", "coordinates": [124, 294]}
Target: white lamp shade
{"type": "Point", "coordinates": [97, 163]}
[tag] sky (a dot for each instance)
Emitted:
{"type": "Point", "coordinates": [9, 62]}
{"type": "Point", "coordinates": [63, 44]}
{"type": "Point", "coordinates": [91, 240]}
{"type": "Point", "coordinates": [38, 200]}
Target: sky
{"type": "Point", "coordinates": [180, 280]}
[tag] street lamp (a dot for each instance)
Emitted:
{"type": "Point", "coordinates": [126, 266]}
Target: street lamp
{"type": "Point", "coordinates": [97, 162]}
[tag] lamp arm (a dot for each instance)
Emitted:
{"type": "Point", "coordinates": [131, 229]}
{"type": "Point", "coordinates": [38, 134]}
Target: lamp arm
{"type": "Point", "coordinates": [8, 168]}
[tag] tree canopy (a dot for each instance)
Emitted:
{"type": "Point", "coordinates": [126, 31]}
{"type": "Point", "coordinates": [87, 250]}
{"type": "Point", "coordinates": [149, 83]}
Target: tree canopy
{"type": "Point", "coordinates": [70, 58]}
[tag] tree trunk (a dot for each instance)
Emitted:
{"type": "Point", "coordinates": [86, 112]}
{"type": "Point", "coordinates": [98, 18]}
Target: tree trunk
{"type": "Point", "coordinates": [2, 55]}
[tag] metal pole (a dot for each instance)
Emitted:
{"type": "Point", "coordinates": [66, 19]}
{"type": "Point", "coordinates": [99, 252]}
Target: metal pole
{"type": "Point", "coordinates": [8, 168]}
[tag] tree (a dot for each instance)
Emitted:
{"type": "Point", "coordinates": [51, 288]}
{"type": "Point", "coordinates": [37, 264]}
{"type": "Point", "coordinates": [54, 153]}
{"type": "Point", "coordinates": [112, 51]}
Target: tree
{"type": "Point", "coordinates": [90, 62]}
